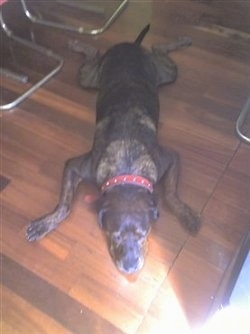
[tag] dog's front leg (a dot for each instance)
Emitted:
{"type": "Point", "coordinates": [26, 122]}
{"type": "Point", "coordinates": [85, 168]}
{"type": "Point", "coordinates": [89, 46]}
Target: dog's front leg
{"type": "Point", "coordinates": [187, 217]}
{"type": "Point", "coordinates": [75, 171]}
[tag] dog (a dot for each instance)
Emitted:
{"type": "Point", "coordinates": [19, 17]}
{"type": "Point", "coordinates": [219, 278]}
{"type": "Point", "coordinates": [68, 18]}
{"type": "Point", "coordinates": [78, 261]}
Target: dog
{"type": "Point", "coordinates": [126, 160]}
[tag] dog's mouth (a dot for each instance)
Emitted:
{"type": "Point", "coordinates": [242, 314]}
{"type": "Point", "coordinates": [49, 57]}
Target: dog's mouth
{"type": "Point", "coordinates": [128, 256]}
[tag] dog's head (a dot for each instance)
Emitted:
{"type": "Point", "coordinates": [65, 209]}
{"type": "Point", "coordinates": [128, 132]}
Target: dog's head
{"type": "Point", "coordinates": [125, 214]}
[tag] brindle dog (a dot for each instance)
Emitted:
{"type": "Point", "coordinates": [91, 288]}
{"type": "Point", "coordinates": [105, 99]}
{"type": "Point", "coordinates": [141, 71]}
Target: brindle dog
{"type": "Point", "coordinates": [126, 160]}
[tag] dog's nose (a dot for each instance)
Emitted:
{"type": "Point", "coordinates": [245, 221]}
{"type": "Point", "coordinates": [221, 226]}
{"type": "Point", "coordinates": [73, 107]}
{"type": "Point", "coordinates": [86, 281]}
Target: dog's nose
{"type": "Point", "coordinates": [131, 266]}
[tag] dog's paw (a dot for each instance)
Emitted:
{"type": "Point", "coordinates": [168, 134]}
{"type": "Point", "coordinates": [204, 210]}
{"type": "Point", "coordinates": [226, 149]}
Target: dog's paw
{"type": "Point", "coordinates": [191, 221]}
{"type": "Point", "coordinates": [184, 41]}
{"type": "Point", "coordinates": [37, 230]}
{"type": "Point", "coordinates": [80, 47]}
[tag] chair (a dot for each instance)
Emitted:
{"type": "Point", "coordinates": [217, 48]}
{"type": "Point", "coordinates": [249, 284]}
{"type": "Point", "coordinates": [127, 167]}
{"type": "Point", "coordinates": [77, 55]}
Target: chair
{"type": "Point", "coordinates": [33, 47]}
{"type": "Point", "coordinates": [79, 5]}
{"type": "Point", "coordinates": [241, 120]}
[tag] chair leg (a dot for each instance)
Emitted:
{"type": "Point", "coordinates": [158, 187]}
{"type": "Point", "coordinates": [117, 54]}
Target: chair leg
{"type": "Point", "coordinates": [81, 29]}
{"type": "Point", "coordinates": [240, 121]}
{"type": "Point", "coordinates": [35, 47]}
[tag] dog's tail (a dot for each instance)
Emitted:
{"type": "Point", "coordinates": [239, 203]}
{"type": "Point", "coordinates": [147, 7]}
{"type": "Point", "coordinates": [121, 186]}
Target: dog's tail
{"type": "Point", "coordinates": [142, 34]}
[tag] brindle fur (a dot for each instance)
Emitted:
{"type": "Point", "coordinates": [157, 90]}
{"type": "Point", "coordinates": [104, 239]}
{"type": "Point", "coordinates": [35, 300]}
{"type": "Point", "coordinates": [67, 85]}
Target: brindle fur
{"type": "Point", "coordinates": [125, 142]}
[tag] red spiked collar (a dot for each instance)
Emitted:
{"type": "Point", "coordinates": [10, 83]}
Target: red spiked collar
{"type": "Point", "coordinates": [127, 179]}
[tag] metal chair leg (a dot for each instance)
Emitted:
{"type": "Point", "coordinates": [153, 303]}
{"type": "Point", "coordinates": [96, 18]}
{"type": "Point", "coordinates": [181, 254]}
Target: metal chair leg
{"type": "Point", "coordinates": [33, 46]}
{"type": "Point", "coordinates": [240, 121]}
{"type": "Point", "coordinates": [81, 29]}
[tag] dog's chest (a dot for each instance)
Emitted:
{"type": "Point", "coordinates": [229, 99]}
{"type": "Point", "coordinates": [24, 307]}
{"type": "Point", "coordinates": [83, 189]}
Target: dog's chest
{"type": "Point", "coordinates": [125, 157]}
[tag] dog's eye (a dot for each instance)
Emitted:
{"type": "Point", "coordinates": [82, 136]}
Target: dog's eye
{"type": "Point", "coordinates": [116, 238]}
{"type": "Point", "coordinates": [142, 233]}
{"type": "Point", "coordinates": [102, 218]}
{"type": "Point", "coordinates": [141, 241]}
{"type": "Point", "coordinates": [153, 214]}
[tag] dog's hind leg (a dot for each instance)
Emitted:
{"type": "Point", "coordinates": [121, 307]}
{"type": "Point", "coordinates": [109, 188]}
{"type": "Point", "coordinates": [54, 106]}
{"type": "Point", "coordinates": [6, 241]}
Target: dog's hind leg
{"type": "Point", "coordinates": [165, 67]}
{"type": "Point", "coordinates": [89, 73]}
{"type": "Point", "coordinates": [187, 217]}
{"type": "Point", "coordinates": [182, 42]}
{"type": "Point", "coordinates": [75, 171]}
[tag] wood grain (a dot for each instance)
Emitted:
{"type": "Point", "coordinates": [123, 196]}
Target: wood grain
{"type": "Point", "coordinates": [67, 283]}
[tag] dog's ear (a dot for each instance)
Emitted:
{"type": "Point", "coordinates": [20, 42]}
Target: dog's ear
{"type": "Point", "coordinates": [102, 218]}
{"type": "Point", "coordinates": [101, 207]}
{"type": "Point", "coordinates": [153, 213]}
{"type": "Point", "coordinates": [153, 208]}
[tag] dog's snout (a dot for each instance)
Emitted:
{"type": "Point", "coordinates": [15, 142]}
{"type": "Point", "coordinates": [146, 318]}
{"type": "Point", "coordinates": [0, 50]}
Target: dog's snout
{"type": "Point", "coordinates": [128, 255]}
{"type": "Point", "coordinates": [131, 265]}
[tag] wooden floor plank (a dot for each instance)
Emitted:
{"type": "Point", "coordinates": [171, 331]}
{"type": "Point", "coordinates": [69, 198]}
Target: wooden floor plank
{"type": "Point", "coordinates": [217, 241]}
{"type": "Point", "coordinates": [67, 282]}
{"type": "Point", "coordinates": [165, 312]}
{"type": "Point", "coordinates": [20, 316]}
{"type": "Point", "coordinates": [74, 316]}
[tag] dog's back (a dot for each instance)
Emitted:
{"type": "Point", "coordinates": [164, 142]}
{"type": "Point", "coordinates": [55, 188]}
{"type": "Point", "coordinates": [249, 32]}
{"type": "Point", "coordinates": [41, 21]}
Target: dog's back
{"type": "Point", "coordinates": [127, 79]}
{"type": "Point", "coordinates": [126, 62]}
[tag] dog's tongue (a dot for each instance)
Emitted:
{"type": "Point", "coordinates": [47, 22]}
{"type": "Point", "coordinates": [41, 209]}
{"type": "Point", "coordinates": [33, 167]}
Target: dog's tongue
{"type": "Point", "coordinates": [132, 278]}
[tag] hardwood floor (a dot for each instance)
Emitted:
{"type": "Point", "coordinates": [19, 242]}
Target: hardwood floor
{"type": "Point", "coordinates": [67, 283]}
